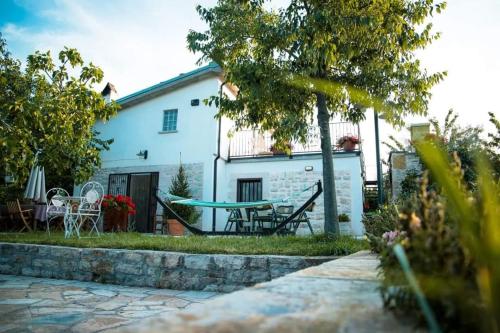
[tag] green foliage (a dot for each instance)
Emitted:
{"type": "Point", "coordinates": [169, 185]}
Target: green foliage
{"type": "Point", "coordinates": [10, 192]}
{"type": "Point", "coordinates": [409, 185]}
{"type": "Point", "coordinates": [394, 144]}
{"type": "Point", "coordinates": [344, 218]}
{"type": "Point", "coordinates": [379, 222]}
{"type": "Point", "coordinates": [180, 187]}
{"type": "Point", "coordinates": [50, 107]}
{"type": "Point", "coordinates": [335, 56]}
{"type": "Point", "coordinates": [492, 146]}
{"type": "Point", "coordinates": [452, 240]}
{"type": "Point", "coordinates": [279, 245]}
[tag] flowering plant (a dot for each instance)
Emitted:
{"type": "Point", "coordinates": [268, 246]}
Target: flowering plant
{"type": "Point", "coordinates": [347, 138]}
{"type": "Point", "coordinates": [118, 202]}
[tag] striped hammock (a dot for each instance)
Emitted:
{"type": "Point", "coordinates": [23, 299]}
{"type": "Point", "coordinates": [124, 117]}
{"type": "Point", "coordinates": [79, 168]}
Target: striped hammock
{"type": "Point", "coordinates": [228, 205]}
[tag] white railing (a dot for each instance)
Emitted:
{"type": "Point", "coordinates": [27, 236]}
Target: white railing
{"type": "Point", "coordinates": [250, 143]}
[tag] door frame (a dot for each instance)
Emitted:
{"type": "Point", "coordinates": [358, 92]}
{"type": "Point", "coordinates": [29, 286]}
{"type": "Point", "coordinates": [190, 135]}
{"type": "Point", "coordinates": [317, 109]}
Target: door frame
{"type": "Point", "coordinates": [152, 204]}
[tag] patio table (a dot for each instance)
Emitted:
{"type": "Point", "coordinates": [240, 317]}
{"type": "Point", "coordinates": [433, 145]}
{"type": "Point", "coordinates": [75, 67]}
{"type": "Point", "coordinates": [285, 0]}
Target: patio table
{"type": "Point", "coordinates": [71, 216]}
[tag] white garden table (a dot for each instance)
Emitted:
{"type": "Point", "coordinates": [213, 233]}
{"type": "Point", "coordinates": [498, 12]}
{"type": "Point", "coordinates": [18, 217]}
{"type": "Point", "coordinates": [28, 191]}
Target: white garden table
{"type": "Point", "coordinates": [72, 217]}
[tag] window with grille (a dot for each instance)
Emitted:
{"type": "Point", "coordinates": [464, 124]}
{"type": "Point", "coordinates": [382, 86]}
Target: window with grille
{"type": "Point", "coordinates": [249, 190]}
{"type": "Point", "coordinates": [169, 120]}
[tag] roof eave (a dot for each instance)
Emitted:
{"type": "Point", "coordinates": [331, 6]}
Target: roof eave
{"type": "Point", "coordinates": [164, 87]}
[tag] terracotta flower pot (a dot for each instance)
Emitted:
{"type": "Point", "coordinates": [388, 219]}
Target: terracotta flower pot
{"type": "Point", "coordinates": [175, 228]}
{"type": "Point", "coordinates": [348, 145]}
{"type": "Point", "coordinates": [116, 220]}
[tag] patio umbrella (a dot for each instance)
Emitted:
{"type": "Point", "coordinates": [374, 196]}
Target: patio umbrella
{"type": "Point", "coordinates": [35, 189]}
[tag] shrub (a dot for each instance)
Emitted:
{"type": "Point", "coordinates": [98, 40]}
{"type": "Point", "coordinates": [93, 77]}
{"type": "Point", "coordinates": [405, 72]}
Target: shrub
{"type": "Point", "coordinates": [344, 218]}
{"type": "Point", "coordinates": [180, 187]}
{"type": "Point", "coordinates": [409, 185]}
{"type": "Point", "coordinates": [377, 223]}
{"type": "Point", "coordinates": [451, 237]}
{"type": "Point", "coordinates": [11, 192]}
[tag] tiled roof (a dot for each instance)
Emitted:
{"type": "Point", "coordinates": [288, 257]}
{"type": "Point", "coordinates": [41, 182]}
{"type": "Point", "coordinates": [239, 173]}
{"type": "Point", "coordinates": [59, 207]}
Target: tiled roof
{"type": "Point", "coordinates": [157, 89]}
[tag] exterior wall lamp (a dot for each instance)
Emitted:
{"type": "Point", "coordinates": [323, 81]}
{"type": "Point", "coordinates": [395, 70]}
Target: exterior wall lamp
{"type": "Point", "coordinates": [143, 154]}
{"type": "Point", "coordinates": [309, 168]}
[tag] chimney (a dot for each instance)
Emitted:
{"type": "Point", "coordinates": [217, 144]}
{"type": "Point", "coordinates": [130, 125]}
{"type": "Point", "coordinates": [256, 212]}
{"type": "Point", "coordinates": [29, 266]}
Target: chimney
{"type": "Point", "coordinates": [109, 92]}
{"type": "Point", "coordinates": [419, 131]}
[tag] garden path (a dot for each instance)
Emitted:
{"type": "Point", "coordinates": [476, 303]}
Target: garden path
{"type": "Point", "coordinates": [46, 305]}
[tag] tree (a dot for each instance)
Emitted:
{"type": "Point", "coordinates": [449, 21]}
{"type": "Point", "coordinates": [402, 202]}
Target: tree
{"type": "Point", "coordinates": [335, 56]}
{"type": "Point", "coordinates": [180, 187]}
{"type": "Point", "coordinates": [45, 108]}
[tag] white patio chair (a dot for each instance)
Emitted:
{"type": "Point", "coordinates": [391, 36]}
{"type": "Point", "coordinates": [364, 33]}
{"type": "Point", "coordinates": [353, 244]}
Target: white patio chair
{"type": "Point", "coordinates": [89, 209]}
{"type": "Point", "coordinates": [56, 204]}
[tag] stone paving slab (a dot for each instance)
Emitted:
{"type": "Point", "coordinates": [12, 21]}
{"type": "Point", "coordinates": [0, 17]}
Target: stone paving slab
{"type": "Point", "coordinates": [337, 296]}
{"type": "Point", "coordinates": [45, 305]}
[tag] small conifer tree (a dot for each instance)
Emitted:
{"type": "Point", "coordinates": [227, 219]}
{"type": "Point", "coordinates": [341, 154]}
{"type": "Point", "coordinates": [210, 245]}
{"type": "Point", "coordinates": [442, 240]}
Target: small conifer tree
{"type": "Point", "coordinates": [180, 187]}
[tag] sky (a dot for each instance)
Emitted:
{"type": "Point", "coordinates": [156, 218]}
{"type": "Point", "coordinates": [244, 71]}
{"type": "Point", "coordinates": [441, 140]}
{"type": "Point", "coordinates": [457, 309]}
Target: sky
{"type": "Point", "coordinates": [141, 42]}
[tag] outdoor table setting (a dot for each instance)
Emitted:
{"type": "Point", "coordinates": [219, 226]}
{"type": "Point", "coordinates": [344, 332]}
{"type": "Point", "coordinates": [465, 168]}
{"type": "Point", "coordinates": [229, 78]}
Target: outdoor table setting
{"type": "Point", "coordinates": [75, 210]}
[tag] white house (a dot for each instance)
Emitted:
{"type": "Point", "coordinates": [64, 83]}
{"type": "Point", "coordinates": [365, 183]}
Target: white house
{"type": "Point", "coordinates": [168, 123]}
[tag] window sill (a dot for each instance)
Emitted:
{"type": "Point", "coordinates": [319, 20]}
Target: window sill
{"type": "Point", "coordinates": [167, 132]}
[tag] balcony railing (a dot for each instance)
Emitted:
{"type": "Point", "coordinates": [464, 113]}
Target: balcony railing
{"type": "Point", "coordinates": [252, 143]}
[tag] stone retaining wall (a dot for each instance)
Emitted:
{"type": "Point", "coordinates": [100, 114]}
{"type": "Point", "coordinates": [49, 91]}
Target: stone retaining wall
{"type": "Point", "coordinates": [338, 296]}
{"type": "Point", "coordinates": [158, 269]}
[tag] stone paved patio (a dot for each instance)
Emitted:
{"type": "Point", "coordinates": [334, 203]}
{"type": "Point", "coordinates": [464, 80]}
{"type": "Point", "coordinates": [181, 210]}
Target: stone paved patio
{"type": "Point", "coordinates": [46, 305]}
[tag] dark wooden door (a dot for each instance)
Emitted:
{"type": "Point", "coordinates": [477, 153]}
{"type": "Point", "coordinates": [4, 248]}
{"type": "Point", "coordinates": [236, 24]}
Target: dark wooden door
{"type": "Point", "coordinates": [140, 187]}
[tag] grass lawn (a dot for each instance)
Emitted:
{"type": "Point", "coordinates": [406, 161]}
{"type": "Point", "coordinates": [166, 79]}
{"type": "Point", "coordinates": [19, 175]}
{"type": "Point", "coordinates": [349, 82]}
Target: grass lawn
{"type": "Point", "coordinates": [280, 245]}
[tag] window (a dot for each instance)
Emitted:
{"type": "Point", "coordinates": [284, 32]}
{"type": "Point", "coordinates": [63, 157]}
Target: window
{"type": "Point", "coordinates": [249, 190]}
{"type": "Point", "coordinates": [170, 120]}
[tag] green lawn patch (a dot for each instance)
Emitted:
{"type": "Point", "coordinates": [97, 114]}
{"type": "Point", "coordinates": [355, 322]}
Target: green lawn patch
{"type": "Point", "coordinates": [319, 245]}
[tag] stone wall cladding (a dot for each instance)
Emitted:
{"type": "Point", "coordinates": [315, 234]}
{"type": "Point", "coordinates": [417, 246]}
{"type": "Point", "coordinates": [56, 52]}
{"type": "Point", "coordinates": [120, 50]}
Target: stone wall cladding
{"type": "Point", "coordinates": [291, 184]}
{"type": "Point", "coordinates": [194, 172]}
{"type": "Point", "coordinates": [172, 270]}
{"type": "Point", "coordinates": [401, 163]}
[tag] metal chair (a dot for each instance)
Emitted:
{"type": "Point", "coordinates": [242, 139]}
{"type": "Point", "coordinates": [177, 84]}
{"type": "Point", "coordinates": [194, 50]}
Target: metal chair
{"type": "Point", "coordinates": [92, 195]}
{"type": "Point", "coordinates": [282, 213]}
{"type": "Point", "coordinates": [263, 214]}
{"type": "Point", "coordinates": [89, 209]}
{"type": "Point", "coordinates": [303, 218]}
{"type": "Point", "coordinates": [15, 210]}
{"type": "Point", "coordinates": [233, 218]}
{"type": "Point", "coordinates": [57, 199]}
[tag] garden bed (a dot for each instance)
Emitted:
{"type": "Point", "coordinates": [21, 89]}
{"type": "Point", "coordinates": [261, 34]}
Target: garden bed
{"type": "Point", "coordinates": [276, 245]}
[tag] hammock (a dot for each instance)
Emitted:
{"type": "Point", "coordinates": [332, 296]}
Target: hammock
{"type": "Point", "coordinates": [228, 205]}
{"type": "Point", "coordinates": [196, 231]}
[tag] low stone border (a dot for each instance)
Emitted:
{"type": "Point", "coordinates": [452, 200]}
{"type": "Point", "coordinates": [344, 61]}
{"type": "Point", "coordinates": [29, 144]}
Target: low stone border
{"type": "Point", "coordinates": [337, 296]}
{"type": "Point", "coordinates": [171, 270]}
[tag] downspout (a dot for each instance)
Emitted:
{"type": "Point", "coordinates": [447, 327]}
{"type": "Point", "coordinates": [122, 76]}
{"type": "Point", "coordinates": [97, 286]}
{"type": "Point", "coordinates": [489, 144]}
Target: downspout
{"type": "Point", "coordinates": [217, 157]}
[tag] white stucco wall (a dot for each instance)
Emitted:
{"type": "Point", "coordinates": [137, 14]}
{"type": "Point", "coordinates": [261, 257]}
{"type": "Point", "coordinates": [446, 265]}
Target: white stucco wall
{"type": "Point", "coordinates": [137, 128]}
{"type": "Point", "coordinates": [284, 177]}
{"type": "Point", "coordinates": [195, 143]}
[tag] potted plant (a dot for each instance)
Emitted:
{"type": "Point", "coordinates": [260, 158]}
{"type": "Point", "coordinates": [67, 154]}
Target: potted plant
{"type": "Point", "coordinates": [276, 150]}
{"type": "Point", "coordinates": [180, 187]}
{"type": "Point", "coordinates": [348, 142]}
{"type": "Point", "coordinates": [344, 224]}
{"type": "Point", "coordinates": [116, 211]}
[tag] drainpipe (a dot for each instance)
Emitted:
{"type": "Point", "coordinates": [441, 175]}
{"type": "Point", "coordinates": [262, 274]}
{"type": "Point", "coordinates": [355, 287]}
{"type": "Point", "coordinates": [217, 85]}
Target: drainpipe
{"type": "Point", "coordinates": [217, 157]}
{"type": "Point", "coordinates": [380, 190]}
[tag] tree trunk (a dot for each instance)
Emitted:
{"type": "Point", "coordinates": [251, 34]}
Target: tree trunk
{"type": "Point", "coordinates": [329, 194]}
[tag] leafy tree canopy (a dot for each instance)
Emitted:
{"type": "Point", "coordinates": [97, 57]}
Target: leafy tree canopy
{"type": "Point", "coordinates": [51, 107]}
{"type": "Point", "coordinates": [337, 56]}
{"type": "Point", "coordinates": [363, 49]}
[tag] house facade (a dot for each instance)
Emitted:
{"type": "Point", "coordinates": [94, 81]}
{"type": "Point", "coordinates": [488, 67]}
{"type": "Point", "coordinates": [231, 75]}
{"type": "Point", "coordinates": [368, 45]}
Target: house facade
{"type": "Point", "coordinates": [167, 124]}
